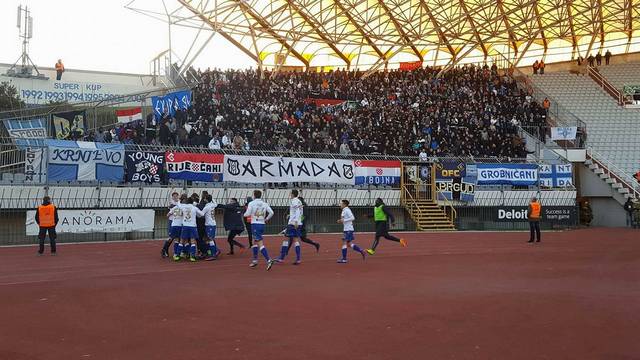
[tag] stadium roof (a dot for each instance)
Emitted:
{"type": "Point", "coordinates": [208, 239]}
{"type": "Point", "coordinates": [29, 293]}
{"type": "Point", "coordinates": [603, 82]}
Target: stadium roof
{"type": "Point", "coordinates": [374, 33]}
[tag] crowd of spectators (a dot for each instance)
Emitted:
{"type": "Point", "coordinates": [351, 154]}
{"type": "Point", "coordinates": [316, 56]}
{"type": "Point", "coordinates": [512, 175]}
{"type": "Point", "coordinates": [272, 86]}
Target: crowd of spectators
{"type": "Point", "coordinates": [466, 111]}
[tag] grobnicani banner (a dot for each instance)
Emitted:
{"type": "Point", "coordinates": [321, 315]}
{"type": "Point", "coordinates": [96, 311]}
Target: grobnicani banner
{"type": "Point", "coordinates": [265, 169]}
{"type": "Point", "coordinates": [510, 174]}
{"type": "Point", "coordinates": [89, 221]}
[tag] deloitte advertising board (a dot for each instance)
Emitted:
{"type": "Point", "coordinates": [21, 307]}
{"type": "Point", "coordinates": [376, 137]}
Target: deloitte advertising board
{"type": "Point", "coordinates": [553, 214]}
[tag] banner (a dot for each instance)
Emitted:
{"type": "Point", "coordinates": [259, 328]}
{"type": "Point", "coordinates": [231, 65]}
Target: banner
{"type": "Point", "coordinates": [170, 103]}
{"type": "Point", "coordinates": [377, 172]}
{"type": "Point", "coordinates": [27, 132]}
{"type": "Point", "coordinates": [554, 214]}
{"type": "Point", "coordinates": [324, 102]}
{"type": "Point", "coordinates": [449, 169]}
{"type": "Point", "coordinates": [35, 165]}
{"type": "Point", "coordinates": [128, 115]}
{"type": "Point", "coordinates": [410, 65]}
{"type": "Point", "coordinates": [69, 123]}
{"type": "Point", "coordinates": [92, 221]}
{"type": "Point", "coordinates": [195, 167]}
{"type": "Point", "coordinates": [264, 169]}
{"type": "Point", "coordinates": [142, 166]}
{"type": "Point", "coordinates": [510, 174]}
{"type": "Point", "coordinates": [564, 133]}
{"type": "Point", "coordinates": [452, 182]}
{"type": "Point", "coordinates": [556, 175]}
{"type": "Point", "coordinates": [85, 161]}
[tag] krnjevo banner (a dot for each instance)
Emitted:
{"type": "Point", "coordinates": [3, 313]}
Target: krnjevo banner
{"type": "Point", "coordinates": [264, 169]}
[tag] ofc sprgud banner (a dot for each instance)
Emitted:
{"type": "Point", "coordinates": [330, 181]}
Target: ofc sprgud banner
{"type": "Point", "coordinates": [88, 221]}
{"type": "Point", "coordinates": [265, 169]}
{"type": "Point", "coordinates": [509, 174]}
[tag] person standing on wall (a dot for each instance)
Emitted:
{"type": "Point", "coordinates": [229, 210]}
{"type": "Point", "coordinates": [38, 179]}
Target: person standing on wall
{"type": "Point", "coordinates": [535, 211]}
{"type": "Point", "coordinates": [59, 69]}
{"type": "Point", "coordinates": [47, 219]}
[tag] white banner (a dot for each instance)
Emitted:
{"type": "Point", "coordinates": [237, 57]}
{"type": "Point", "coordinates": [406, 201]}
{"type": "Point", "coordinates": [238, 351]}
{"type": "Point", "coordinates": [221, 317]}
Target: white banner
{"type": "Point", "coordinates": [263, 169]}
{"type": "Point", "coordinates": [564, 133]}
{"type": "Point", "coordinates": [89, 221]}
{"type": "Point", "coordinates": [35, 165]}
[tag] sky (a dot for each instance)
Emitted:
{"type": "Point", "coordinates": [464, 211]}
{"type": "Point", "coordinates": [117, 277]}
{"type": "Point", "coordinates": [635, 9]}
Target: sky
{"type": "Point", "coordinates": [103, 35]}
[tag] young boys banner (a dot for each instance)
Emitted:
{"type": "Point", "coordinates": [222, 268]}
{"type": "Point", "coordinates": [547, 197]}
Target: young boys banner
{"type": "Point", "coordinates": [195, 167]}
{"type": "Point", "coordinates": [170, 103]}
{"type": "Point", "coordinates": [142, 166]}
{"type": "Point", "coordinates": [85, 161]}
{"type": "Point", "coordinates": [65, 125]}
{"type": "Point", "coordinates": [264, 169]}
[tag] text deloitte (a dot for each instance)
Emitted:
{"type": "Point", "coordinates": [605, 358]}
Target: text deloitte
{"type": "Point", "coordinates": [512, 214]}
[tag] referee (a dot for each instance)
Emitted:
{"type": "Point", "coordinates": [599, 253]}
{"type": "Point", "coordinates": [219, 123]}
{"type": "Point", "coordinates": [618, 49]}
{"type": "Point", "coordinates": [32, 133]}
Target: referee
{"type": "Point", "coordinates": [535, 209]}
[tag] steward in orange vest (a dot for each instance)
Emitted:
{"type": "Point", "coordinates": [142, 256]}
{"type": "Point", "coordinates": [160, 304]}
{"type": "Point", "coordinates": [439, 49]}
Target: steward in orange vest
{"type": "Point", "coordinates": [47, 219]}
{"type": "Point", "coordinates": [534, 214]}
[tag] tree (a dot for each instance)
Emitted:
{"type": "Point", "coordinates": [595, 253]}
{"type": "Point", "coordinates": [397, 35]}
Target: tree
{"type": "Point", "coordinates": [9, 98]}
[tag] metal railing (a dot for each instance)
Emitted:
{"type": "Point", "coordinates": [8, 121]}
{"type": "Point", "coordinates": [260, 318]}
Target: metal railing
{"type": "Point", "coordinates": [611, 169]}
{"type": "Point", "coordinates": [605, 85]}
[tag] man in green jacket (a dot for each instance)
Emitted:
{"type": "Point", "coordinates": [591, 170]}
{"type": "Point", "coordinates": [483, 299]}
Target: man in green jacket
{"type": "Point", "coordinates": [381, 216]}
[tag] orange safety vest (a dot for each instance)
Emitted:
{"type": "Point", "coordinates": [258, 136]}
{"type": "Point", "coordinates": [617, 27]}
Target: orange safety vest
{"type": "Point", "coordinates": [59, 67]}
{"type": "Point", "coordinates": [535, 210]}
{"type": "Point", "coordinates": [47, 215]}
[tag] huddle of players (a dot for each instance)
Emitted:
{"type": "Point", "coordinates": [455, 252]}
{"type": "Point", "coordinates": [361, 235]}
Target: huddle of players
{"type": "Point", "coordinates": [183, 229]}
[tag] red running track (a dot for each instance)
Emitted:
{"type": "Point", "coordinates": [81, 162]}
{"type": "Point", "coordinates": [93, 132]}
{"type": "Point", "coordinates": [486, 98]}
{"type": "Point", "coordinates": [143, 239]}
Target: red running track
{"type": "Point", "coordinates": [446, 296]}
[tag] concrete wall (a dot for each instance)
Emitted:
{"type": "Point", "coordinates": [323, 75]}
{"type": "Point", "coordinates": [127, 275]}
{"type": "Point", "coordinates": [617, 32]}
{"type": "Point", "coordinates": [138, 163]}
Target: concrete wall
{"type": "Point", "coordinates": [606, 202]}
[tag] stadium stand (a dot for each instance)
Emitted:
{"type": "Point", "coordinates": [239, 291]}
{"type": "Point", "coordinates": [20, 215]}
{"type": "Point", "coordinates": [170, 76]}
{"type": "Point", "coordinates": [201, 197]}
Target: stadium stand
{"type": "Point", "coordinates": [614, 131]}
{"type": "Point", "coordinates": [468, 111]}
{"type": "Point", "coordinates": [621, 74]}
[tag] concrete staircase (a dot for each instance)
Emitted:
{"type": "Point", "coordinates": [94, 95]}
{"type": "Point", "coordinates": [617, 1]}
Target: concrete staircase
{"type": "Point", "coordinates": [622, 188]}
{"type": "Point", "coordinates": [429, 216]}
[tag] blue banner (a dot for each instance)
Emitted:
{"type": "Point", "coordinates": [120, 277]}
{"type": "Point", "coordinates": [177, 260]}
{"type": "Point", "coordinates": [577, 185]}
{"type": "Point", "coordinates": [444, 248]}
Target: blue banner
{"type": "Point", "coordinates": [85, 161]}
{"type": "Point", "coordinates": [556, 175]}
{"type": "Point", "coordinates": [27, 132]}
{"type": "Point", "coordinates": [170, 103]}
{"type": "Point", "coordinates": [507, 174]}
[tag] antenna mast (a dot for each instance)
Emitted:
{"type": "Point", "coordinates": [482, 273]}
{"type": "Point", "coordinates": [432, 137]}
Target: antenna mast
{"type": "Point", "coordinates": [24, 66]}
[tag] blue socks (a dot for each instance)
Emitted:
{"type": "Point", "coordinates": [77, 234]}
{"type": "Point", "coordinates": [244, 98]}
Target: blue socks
{"type": "Point", "coordinates": [356, 247]}
{"type": "Point", "coordinates": [213, 248]}
{"type": "Point", "coordinates": [192, 251]}
{"type": "Point", "coordinates": [283, 249]}
{"type": "Point", "coordinates": [263, 251]}
{"type": "Point", "coordinates": [177, 248]}
{"type": "Point", "coordinates": [254, 249]}
{"type": "Point", "coordinates": [344, 252]}
{"type": "Point", "coordinates": [297, 246]}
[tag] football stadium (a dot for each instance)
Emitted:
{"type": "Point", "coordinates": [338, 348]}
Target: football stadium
{"type": "Point", "coordinates": [320, 179]}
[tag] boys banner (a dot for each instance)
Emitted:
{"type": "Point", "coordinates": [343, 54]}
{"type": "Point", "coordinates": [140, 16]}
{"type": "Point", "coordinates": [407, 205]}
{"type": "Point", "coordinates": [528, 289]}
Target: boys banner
{"type": "Point", "coordinates": [27, 132]}
{"type": "Point", "coordinates": [142, 166]}
{"type": "Point", "coordinates": [556, 175]}
{"type": "Point", "coordinates": [65, 124]}
{"type": "Point", "coordinates": [195, 167]}
{"type": "Point", "coordinates": [377, 172]}
{"type": "Point", "coordinates": [264, 169]}
{"type": "Point", "coordinates": [85, 161]}
{"type": "Point", "coordinates": [170, 103]}
{"type": "Point", "coordinates": [509, 174]}
{"type": "Point", "coordinates": [89, 221]}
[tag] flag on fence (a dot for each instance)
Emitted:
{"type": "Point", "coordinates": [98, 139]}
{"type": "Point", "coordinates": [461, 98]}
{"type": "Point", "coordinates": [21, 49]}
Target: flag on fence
{"type": "Point", "coordinates": [129, 115]}
{"type": "Point", "coordinates": [564, 133]}
{"type": "Point", "coordinates": [377, 172]}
